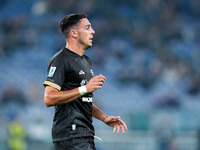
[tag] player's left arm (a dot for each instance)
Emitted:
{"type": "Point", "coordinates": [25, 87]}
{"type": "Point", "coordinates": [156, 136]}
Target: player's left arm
{"type": "Point", "coordinates": [113, 121]}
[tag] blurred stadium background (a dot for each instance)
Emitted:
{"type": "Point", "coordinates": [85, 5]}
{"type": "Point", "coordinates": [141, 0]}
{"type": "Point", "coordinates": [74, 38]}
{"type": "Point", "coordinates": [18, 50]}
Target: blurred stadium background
{"type": "Point", "coordinates": [149, 50]}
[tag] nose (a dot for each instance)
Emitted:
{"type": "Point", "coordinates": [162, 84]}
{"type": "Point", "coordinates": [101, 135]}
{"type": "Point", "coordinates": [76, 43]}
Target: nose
{"type": "Point", "coordinates": [93, 32]}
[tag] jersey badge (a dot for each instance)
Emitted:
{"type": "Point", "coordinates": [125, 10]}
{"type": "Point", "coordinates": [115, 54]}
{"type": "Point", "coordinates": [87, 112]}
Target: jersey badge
{"type": "Point", "coordinates": [51, 71]}
{"type": "Point", "coordinates": [83, 82]}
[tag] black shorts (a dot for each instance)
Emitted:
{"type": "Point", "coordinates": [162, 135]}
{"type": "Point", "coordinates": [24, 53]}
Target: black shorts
{"type": "Point", "coordinates": [82, 143]}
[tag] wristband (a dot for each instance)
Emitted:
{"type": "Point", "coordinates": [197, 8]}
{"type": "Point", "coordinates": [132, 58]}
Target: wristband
{"type": "Point", "coordinates": [82, 90]}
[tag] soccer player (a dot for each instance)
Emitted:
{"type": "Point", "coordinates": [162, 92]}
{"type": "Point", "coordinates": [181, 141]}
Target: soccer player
{"type": "Point", "coordinates": [69, 87]}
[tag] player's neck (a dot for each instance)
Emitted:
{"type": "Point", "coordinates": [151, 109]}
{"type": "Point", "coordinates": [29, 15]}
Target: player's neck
{"type": "Point", "coordinates": [75, 47]}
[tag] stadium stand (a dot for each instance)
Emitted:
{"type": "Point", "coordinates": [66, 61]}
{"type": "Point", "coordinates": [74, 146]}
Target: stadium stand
{"type": "Point", "coordinates": [148, 51]}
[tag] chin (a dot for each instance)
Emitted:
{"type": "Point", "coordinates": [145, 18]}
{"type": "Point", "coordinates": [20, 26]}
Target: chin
{"type": "Point", "coordinates": [88, 46]}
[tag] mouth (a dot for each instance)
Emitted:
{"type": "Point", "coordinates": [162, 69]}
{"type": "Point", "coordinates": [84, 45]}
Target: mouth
{"type": "Point", "coordinates": [90, 39]}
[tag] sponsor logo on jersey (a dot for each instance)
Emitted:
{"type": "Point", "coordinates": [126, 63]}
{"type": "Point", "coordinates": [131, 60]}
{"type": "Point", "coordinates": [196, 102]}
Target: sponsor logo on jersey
{"type": "Point", "coordinates": [81, 72]}
{"type": "Point", "coordinates": [87, 99]}
{"type": "Point", "coordinates": [51, 71]}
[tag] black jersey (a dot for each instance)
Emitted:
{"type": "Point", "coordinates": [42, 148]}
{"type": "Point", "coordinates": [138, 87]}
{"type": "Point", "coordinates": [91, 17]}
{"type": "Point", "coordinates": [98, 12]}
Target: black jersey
{"type": "Point", "coordinates": [67, 70]}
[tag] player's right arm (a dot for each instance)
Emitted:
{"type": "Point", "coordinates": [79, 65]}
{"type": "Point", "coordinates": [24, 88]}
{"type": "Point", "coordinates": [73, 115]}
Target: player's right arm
{"type": "Point", "coordinates": [54, 97]}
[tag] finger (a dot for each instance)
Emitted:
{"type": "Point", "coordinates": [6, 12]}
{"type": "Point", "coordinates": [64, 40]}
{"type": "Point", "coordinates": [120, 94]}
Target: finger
{"type": "Point", "coordinates": [99, 85]}
{"type": "Point", "coordinates": [101, 80]}
{"type": "Point", "coordinates": [114, 129]}
{"type": "Point", "coordinates": [118, 129]}
{"type": "Point", "coordinates": [123, 124]}
{"type": "Point", "coordinates": [123, 130]}
{"type": "Point", "coordinates": [101, 76]}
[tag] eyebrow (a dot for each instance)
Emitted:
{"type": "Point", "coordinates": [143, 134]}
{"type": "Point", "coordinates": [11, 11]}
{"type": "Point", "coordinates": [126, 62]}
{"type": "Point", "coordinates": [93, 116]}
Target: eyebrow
{"type": "Point", "coordinates": [88, 25]}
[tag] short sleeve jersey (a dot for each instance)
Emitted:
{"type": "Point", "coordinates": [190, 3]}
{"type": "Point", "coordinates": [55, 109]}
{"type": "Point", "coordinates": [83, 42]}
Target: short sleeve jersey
{"type": "Point", "coordinates": [66, 71]}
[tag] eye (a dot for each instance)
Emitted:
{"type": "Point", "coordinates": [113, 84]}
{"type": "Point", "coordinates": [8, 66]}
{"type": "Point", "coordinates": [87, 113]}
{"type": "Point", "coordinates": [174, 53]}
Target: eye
{"type": "Point", "coordinates": [88, 27]}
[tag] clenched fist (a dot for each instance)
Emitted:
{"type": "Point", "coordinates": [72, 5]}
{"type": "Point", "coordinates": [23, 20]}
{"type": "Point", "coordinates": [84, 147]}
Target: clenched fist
{"type": "Point", "coordinates": [95, 83]}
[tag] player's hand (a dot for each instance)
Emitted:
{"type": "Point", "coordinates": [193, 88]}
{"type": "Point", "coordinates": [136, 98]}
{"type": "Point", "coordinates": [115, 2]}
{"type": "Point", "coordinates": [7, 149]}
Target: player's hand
{"type": "Point", "coordinates": [95, 83]}
{"type": "Point", "coordinates": [116, 123]}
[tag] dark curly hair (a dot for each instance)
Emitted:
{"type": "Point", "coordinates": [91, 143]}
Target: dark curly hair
{"type": "Point", "coordinates": [68, 22]}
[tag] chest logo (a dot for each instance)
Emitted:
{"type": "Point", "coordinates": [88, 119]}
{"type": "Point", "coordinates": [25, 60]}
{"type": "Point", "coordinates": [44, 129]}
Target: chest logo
{"type": "Point", "coordinates": [83, 82]}
{"type": "Point", "coordinates": [81, 72]}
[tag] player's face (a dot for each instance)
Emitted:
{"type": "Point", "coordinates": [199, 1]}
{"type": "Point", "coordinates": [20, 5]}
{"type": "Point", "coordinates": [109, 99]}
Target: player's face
{"type": "Point", "coordinates": [85, 33]}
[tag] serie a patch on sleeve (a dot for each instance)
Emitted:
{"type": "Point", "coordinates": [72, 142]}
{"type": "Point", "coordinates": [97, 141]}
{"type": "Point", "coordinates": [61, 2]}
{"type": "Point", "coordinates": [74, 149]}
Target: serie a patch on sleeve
{"type": "Point", "coordinates": [51, 71]}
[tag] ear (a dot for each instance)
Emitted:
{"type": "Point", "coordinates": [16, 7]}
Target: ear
{"type": "Point", "coordinates": [73, 33]}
